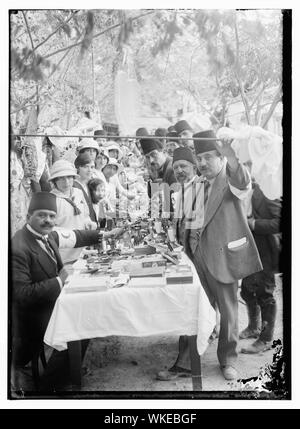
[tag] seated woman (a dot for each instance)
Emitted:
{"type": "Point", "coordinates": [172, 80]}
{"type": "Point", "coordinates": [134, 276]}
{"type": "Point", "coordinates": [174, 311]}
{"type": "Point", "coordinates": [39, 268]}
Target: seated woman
{"type": "Point", "coordinates": [85, 169]}
{"type": "Point", "coordinates": [101, 204]}
{"type": "Point", "coordinates": [100, 162]}
{"type": "Point", "coordinates": [72, 210]}
{"type": "Point", "coordinates": [89, 146]}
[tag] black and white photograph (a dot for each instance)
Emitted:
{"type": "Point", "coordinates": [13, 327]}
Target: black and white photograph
{"type": "Point", "coordinates": [149, 242]}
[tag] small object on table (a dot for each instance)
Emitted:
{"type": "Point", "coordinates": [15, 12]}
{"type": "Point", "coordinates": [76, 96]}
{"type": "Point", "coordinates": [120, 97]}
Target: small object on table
{"type": "Point", "coordinates": [147, 272]}
{"type": "Point", "coordinates": [181, 274]}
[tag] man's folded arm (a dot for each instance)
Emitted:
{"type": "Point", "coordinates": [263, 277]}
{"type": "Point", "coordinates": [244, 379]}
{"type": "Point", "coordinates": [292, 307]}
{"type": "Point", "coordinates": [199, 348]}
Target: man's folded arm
{"type": "Point", "coordinates": [25, 291]}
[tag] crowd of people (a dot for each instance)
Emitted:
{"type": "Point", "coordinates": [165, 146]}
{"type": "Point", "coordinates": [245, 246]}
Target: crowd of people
{"type": "Point", "coordinates": [224, 222]}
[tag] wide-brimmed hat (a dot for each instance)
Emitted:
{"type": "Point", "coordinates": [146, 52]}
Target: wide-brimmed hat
{"type": "Point", "coordinates": [87, 144]}
{"type": "Point", "coordinates": [204, 145]}
{"type": "Point", "coordinates": [181, 126]}
{"type": "Point", "coordinates": [62, 168]}
{"type": "Point", "coordinates": [112, 161]}
{"type": "Point", "coordinates": [114, 146]}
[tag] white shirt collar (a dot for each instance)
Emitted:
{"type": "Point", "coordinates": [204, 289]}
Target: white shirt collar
{"type": "Point", "coordinates": [189, 182]}
{"type": "Point", "coordinates": [35, 232]}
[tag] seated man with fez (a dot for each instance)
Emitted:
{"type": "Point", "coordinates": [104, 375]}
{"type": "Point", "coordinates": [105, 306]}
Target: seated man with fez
{"type": "Point", "coordinates": [38, 275]}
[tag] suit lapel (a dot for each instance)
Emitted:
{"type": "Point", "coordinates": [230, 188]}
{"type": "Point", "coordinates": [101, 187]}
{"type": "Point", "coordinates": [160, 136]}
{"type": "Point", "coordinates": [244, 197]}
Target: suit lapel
{"type": "Point", "coordinates": [46, 262]}
{"type": "Point", "coordinates": [56, 251]}
{"type": "Point", "coordinates": [216, 196]}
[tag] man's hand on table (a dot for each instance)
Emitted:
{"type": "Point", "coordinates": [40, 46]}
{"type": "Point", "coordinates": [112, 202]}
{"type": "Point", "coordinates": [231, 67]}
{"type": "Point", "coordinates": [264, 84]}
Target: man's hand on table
{"type": "Point", "coordinates": [63, 275]}
{"type": "Point", "coordinates": [115, 232]}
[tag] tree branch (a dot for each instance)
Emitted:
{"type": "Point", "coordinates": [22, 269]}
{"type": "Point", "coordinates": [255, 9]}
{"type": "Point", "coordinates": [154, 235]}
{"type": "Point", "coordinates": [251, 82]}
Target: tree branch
{"type": "Point", "coordinates": [50, 35]}
{"type": "Point", "coordinates": [236, 72]}
{"type": "Point", "coordinates": [97, 35]}
{"type": "Point", "coordinates": [32, 47]}
{"type": "Point", "coordinates": [276, 100]}
{"type": "Point", "coordinates": [257, 98]}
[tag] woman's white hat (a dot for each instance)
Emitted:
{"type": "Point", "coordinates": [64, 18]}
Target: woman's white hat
{"type": "Point", "coordinates": [88, 143]}
{"type": "Point", "coordinates": [112, 161]}
{"type": "Point", "coordinates": [62, 168]}
{"type": "Point", "coordinates": [112, 145]}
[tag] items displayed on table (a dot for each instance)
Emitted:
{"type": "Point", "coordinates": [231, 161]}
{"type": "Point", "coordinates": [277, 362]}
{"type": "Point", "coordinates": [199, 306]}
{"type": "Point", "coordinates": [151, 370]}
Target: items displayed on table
{"type": "Point", "coordinates": [180, 274]}
{"type": "Point", "coordinates": [147, 265]}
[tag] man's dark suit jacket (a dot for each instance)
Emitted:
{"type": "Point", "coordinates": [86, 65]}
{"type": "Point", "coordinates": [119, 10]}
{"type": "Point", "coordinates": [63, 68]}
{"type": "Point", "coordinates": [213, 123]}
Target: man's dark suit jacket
{"type": "Point", "coordinates": [35, 287]}
{"type": "Point", "coordinates": [266, 228]}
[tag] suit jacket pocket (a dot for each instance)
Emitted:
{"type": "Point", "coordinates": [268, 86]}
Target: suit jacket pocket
{"type": "Point", "coordinates": [238, 259]}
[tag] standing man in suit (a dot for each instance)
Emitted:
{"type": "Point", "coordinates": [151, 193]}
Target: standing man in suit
{"type": "Point", "coordinates": [220, 244]}
{"type": "Point", "coordinates": [161, 165]}
{"type": "Point", "coordinates": [38, 275]}
{"type": "Point", "coordinates": [257, 290]}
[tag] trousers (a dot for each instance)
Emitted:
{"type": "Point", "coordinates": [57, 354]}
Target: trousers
{"type": "Point", "coordinates": [224, 297]}
{"type": "Point", "coordinates": [259, 288]}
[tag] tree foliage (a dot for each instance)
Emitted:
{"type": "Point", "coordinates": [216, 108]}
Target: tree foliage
{"type": "Point", "coordinates": [65, 61]}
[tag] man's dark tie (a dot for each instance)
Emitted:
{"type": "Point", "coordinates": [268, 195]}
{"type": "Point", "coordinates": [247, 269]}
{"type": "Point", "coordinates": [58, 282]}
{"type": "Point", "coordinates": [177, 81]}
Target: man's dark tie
{"type": "Point", "coordinates": [49, 249]}
{"type": "Point", "coordinates": [206, 188]}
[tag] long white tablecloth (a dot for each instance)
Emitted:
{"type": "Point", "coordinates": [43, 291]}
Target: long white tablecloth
{"type": "Point", "coordinates": [169, 310]}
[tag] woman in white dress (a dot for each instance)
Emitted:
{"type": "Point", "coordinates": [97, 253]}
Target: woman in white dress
{"type": "Point", "coordinates": [72, 210]}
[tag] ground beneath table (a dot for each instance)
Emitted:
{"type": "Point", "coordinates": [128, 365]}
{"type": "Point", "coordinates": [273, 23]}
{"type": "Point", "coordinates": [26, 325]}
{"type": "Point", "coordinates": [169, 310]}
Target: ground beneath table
{"type": "Point", "coordinates": [125, 365]}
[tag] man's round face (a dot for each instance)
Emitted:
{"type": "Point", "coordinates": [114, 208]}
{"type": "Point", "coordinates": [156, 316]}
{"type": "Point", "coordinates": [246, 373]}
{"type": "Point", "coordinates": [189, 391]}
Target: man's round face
{"type": "Point", "coordinates": [42, 221]}
{"type": "Point", "coordinates": [86, 171]}
{"type": "Point", "coordinates": [91, 151]}
{"type": "Point", "coordinates": [185, 135]}
{"type": "Point", "coordinates": [209, 163]}
{"type": "Point", "coordinates": [184, 171]}
{"type": "Point", "coordinates": [113, 153]}
{"type": "Point", "coordinates": [171, 146]}
{"type": "Point", "coordinates": [64, 184]}
{"type": "Point", "coordinates": [156, 159]}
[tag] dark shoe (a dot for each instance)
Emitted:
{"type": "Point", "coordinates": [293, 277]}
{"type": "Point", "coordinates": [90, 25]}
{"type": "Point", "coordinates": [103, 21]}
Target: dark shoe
{"type": "Point", "coordinates": [257, 347]}
{"type": "Point", "coordinates": [229, 372]}
{"type": "Point", "coordinates": [173, 373]}
{"type": "Point", "coordinates": [249, 333]}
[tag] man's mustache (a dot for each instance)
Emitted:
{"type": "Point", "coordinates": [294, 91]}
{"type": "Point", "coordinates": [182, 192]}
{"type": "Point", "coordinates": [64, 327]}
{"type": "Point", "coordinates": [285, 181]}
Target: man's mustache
{"type": "Point", "coordinates": [47, 224]}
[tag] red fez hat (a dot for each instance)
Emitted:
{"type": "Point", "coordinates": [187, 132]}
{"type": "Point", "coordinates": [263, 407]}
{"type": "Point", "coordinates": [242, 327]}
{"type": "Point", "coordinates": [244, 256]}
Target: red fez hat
{"type": "Point", "coordinates": [182, 126]}
{"type": "Point", "coordinates": [141, 132]}
{"type": "Point", "coordinates": [148, 145]}
{"type": "Point", "coordinates": [160, 132]}
{"type": "Point", "coordinates": [42, 201]}
{"type": "Point", "coordinates": [173, 134]}
{"type": "Point", "coordinates": [183, 153]}
{"type": "Point", "coordinates": [204, 145]}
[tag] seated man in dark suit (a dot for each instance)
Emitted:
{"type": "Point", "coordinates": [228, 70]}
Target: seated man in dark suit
{"type": "Point", "coordinates": [38, 276]}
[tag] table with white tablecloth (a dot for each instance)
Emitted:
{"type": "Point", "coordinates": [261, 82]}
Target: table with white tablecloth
{"type": "Point", "coordinates": [178, 309]}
